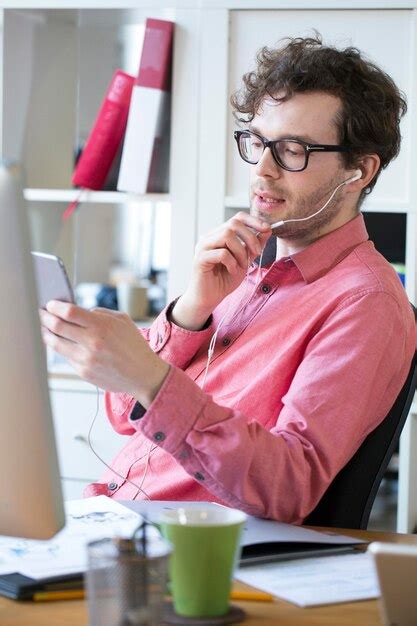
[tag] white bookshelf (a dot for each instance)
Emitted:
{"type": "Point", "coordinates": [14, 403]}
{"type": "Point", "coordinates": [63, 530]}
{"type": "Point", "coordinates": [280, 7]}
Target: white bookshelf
{"type": "Point", "coordinates": [95, 197]}
{"type": "Point", "coordinates": [49, 51]}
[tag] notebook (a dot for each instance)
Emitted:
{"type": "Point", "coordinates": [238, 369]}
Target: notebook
{"type": "Point", "coordinates": [265, 541]}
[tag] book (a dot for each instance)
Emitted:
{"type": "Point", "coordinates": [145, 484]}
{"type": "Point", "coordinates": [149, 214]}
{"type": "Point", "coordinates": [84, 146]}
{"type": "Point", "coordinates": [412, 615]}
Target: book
{"type": "Point", "coordinates": [264, 541]}
{"type": "Point", "coordinates": [144, 163]}
{"type": "Point", "coordinates": [103, 142]}
{"type": "Point", "coordinates": [19, 587]}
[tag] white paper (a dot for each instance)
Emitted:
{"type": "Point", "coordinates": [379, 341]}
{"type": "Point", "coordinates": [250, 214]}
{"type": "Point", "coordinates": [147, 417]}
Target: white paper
{"type": "Point", "coordinates": [310, 582]}
{"type": "Point", "coordinates": [256, 530]}
{"type": "Point", "coordinates": [86, 520]}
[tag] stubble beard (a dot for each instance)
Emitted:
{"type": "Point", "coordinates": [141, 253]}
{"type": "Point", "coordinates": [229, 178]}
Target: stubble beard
{"type": "Point", "coordinates": [302, 207]}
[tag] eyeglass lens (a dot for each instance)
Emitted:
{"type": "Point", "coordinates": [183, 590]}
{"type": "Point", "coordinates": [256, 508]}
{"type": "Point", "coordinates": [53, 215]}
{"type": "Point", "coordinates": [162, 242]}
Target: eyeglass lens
{"type": "Point", "coordinates": [290, 154]}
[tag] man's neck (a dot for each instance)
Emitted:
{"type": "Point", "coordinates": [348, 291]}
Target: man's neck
{"type": "Point", "coordinates": [288, 247]}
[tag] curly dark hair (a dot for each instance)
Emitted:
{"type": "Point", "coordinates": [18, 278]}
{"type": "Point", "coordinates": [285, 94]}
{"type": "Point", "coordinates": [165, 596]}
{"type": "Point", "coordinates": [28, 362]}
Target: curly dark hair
{"type": "Point", "coordinates": [372, 104]}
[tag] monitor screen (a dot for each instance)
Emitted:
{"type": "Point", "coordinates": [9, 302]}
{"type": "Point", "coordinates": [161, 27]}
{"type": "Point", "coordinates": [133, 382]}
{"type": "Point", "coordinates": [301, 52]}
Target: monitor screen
{"type": "Point", "coordinates": [31, 500]}
{"type": "Point", "coordinates": [388, 232]}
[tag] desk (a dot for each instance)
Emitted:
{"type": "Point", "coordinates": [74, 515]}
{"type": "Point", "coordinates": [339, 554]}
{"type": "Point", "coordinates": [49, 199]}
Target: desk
{"type": "Point", "coordinates": [74, 613]}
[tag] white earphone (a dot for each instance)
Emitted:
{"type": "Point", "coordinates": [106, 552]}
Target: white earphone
{"type": "Point", "coordinates": [356, 176]}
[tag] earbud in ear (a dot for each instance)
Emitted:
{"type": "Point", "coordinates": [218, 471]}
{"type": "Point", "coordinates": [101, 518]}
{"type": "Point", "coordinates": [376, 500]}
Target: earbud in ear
{"type": "Point", "coordinates": [357, 175]}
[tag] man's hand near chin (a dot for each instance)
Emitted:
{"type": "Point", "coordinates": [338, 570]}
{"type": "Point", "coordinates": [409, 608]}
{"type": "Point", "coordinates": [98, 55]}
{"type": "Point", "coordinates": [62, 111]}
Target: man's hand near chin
{"type": "Point", "coordinates": [105, 348]}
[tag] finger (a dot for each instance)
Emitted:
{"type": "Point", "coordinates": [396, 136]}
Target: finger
{"type": "Point", "coordinates": [225, 241]}
{"type": "Point", "coordinates": [235, 245]}
{"type": "Point", "coordinates": [239, 250]}
{"type": "Point", "coordinates": [252, 222]}
{"type": "Point", "coordinates": [70, 312]}
{"type": "Point", "coordinates": [60, 345]}
{"type": "Point", "coordinates": [239, 239]}
{"type": "Point", "coordinates": [247, 236]}
{"type": "Point", "coordinates": [245, 219]}
{"type": "Point", "coordinates": [61, 328]}
{"type": "Point", "coordinates": [263, 238]}
{"type": "Point", "coordinates": [103, 312]}
{"type": "Point", "coordinates": [211, 258]}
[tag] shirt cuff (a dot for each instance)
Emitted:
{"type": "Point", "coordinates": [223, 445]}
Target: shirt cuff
{"type": "Point", "coordinates": [173, 413]}
{"type": "Point", "coordinates": [168, 313]}
{"type": "Point", "coordinates": [174, 344]}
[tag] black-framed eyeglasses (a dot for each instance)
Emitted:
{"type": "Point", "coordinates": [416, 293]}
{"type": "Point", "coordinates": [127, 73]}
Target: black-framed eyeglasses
{"type": "Point", "coordinates": [290, 154]}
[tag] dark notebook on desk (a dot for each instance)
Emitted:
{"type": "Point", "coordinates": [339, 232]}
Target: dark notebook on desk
{"type": "Point", "coordinates": [19, 587]}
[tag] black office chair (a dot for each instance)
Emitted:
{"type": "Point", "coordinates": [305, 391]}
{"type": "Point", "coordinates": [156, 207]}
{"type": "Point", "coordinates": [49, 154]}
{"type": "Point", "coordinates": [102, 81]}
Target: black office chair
{"type": "Point", "coordinates": [348, 501]}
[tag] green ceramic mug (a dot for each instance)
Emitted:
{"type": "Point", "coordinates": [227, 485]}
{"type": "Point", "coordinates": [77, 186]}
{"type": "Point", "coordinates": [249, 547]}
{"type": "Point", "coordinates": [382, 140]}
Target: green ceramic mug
{"type": "Point", "coordinates": [206, 545]}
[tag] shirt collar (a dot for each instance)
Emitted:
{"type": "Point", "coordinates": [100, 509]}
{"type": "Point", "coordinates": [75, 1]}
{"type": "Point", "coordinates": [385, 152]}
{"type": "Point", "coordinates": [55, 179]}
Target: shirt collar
{"type": "Point", "coordinates": [322, 255]}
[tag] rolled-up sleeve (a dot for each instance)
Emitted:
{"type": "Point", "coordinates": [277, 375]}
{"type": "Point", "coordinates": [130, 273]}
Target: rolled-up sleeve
{"type": "Point", "coordinates": [351, 373]}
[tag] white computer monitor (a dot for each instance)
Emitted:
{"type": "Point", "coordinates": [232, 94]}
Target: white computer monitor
{"type": "Point", "coordinates": [30, 496]}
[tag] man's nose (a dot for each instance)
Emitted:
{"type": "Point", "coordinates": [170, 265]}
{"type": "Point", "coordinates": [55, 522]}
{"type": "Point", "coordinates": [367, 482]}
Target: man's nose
{"type": "Point", "coordinates": [266, 166]}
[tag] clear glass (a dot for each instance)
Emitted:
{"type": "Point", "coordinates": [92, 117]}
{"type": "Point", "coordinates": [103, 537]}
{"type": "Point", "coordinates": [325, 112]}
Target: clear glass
{"type": "Point", "coordinates": [125, 586]}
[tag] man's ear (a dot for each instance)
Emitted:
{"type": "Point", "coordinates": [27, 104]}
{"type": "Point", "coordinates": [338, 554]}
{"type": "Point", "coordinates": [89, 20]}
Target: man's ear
{"type": "Point", "coordinates": [369, 166]}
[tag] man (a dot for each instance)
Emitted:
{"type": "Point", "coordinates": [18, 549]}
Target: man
{"type": "Point", "coordinates": [312, 347]}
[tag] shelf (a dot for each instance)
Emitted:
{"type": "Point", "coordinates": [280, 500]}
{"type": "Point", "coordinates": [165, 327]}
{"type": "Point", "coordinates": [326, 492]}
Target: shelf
{"type": "Point", "coordinates": [99, 197]}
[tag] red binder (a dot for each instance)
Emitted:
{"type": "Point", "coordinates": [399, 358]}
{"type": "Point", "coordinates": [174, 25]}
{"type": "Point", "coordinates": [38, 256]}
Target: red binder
{"type": "Point", "coordinates": [106, 135]}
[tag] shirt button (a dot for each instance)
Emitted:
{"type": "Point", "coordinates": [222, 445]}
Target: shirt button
{"type": "Point", "coordinates": [159, 436]}
{"type": "Point", "coordinates": [226, 341]}
{"type": "Point", "coordinates": [112, 486]}
{"type": "Point", "coordinates": [265, 288]}
{"type": "Point", "coordinates": [199, 476]}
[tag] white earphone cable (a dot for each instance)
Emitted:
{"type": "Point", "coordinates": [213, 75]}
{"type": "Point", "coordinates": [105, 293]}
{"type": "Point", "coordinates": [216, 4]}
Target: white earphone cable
{"type": "Point", "coordinates": [211, 348]}
{"type": "Point", "coordinates": [212, 344]}
{"type": "Point", "coordinates": [357, 175]}
{"type": "Point", "coordinates": [131, 482]}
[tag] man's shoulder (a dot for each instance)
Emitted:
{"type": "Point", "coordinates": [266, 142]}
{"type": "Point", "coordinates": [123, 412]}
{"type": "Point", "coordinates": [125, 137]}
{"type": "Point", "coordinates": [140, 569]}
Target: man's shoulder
{"type": "Point", "coordinates": [364, 271]}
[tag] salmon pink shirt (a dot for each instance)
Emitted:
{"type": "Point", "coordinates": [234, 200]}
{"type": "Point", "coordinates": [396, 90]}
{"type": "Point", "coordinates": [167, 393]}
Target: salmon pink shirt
{"type": "Point", "coordinates": [300, 375]}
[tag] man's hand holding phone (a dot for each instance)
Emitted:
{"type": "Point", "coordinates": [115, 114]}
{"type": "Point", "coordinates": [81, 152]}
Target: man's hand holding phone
{"type": "Point", "coordinates": [220, 264]}
{"type": "Point", "coordinates": [105, 348]}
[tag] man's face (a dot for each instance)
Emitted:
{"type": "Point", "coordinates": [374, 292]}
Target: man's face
{"type": "Point", "coordinates": [277, 194]}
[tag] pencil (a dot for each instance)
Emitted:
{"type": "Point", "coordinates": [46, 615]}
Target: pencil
{"type": "Point", "coordinates": [256, 596]}
{"type": "Point", "coordinates": [69, 594]}
{"type": "Point", "coordinates": [79, 594]}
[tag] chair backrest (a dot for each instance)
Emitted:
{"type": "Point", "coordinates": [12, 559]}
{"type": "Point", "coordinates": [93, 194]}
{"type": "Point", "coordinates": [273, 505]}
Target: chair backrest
{"type": "Point", "coordinates": [348, 501]}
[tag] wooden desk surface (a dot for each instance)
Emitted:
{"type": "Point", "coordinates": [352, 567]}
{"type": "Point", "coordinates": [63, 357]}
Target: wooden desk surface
{"type": "Point", "coordinates": [74, 612]}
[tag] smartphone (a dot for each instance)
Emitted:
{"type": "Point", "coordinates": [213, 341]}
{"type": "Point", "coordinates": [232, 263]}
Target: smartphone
{"type": "Point", "coordinates": [52, 282]}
